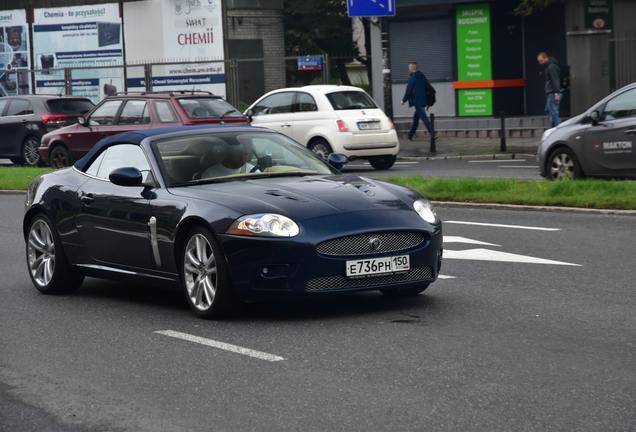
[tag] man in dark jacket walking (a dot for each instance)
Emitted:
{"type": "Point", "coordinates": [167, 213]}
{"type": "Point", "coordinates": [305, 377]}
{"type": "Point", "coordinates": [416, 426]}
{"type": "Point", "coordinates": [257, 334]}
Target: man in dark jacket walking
{"type": "Point", "coordinates": [552, 87]}
{"type": "Point", "coordinates": [416, 96]}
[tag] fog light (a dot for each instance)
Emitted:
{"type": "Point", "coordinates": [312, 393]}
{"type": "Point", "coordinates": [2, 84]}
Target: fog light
{"type": "Point", "coordinates": [265, 270]}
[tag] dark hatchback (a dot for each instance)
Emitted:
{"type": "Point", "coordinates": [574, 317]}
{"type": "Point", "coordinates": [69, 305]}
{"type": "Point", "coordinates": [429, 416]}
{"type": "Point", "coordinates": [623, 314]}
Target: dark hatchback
{"type": "Point", "coordinates": [25, 119]}
{"type": "Point", "coordinates": [133, 112]}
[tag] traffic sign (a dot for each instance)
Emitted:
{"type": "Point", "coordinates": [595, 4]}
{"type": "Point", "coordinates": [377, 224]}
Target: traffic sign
{"type": "Point", "coordinates": [369, 8]}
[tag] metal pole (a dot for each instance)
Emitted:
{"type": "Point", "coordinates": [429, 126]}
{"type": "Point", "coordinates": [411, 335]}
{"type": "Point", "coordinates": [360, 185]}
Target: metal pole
{"type": "Point", "coordinates": [386, 68]}
{"type": "Point", "coordinates": [68, 81]}
{"type": "Point", "coordinates": [433, 149]}
{"type": "Point", "coordinates": [503, 131]}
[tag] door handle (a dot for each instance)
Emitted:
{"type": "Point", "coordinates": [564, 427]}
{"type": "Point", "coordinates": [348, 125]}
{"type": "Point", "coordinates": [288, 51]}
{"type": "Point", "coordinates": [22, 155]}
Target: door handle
{"type": "Point", "coordinates": [630, 131]}
{"type": "Point", "coordinates": [87, 198]}
{"type": "Point", "coordinates": [103, 134]}
{"type": "Point", "coordinates": [285, 125]}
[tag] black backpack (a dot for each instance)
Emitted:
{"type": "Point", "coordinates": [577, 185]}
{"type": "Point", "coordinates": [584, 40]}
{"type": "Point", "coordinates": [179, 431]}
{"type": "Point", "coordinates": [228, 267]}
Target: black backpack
{"type": "Point", "coordinates": [566, 76]}
{"type": "Point", "coordinates": [430, 94]}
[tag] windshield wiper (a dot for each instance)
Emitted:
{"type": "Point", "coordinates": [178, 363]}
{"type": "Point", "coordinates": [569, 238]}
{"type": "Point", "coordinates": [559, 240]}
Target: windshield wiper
{"type": "Point", "coordinates": [228, 112]}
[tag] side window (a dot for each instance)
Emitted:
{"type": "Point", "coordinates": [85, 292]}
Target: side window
{"type": "Point", "coordinates": [165, 112]}
{"type": "Point", "coordinates": [306, 102]}
{"type": "Point", "coordinates": [120, 156]}
{"type": "Point", "coordinates": [105, 114]}
{"type": "Point", "coordinates": [134, 112]}
{"type": "Point", "coordinates": [19, 107]}
{"type": "Point", "coordinates": [3, 103]}
{"type": "Point", "coordinates": [275, 104]}
{"type": "Point", "coordinates": [623, 105]}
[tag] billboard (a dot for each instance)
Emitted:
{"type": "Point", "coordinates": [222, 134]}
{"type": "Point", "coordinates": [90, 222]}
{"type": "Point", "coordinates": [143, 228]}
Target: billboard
{"type": "Point", "coordinates": [14, 53]}
{"type": "Point", "coordinates": [78, 36]}
{"type": "Point", "coordinates": [188, 30]}
{"type": "Point", "coordinates": [474, 57]}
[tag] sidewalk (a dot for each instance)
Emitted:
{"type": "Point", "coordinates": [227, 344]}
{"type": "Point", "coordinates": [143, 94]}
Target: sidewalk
{"type": "Point", "coordinates": [454, 147]}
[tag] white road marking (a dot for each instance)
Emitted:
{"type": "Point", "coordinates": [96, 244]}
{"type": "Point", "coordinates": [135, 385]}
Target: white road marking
{"type": "Point", "coordinates": [489, 255]}
{"type": "Point", "coordinates": [496, 160]}
{"type": "Point", "coordinates": [457, 239]}
{"type": "Point", "coordinates": [503, 226]}
{"type": "Point", "coordinates": [221, 345]}
{"type": "Point", "coordinates": [522, 167]}
{"type": "Point", "coordinates": [445, 277]}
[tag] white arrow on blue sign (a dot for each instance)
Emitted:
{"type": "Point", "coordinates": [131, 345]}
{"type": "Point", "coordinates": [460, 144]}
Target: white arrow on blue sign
{"type": "Point", "coordinates": [369, 8]}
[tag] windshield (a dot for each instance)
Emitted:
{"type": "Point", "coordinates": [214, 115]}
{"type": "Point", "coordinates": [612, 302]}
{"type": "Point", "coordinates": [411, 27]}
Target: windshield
{"type": "Point", "coordinates": [346, 100]}
{"type": "Point", "coordinates": [228, 156]}
{"type": "Point", "coordinates": [208, 107]}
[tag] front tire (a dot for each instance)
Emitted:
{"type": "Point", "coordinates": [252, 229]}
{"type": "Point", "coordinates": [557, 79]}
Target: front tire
{"type": "Point", "coordinates": [382, 162]}
{"type": "Point", "coordinates": [206, 279]}
{"type": "Point", "coordinates": [49, 269]}
{"type": "Point", "coordinates": [563, 164]}
{"type": "Point", "coordinates": [408, 292]}
{"type": "Point", "coordinates": [321, 148]}
{"type": "Point", "coordinates": [59, 157]}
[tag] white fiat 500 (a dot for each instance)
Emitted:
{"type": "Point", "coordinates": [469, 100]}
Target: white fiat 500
{"type": "Point", "coordinates": [330, 119]}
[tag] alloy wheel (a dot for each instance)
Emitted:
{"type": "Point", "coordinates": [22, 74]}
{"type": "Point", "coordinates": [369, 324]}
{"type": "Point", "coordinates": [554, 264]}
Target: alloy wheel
{"type": "Point", "coordinates": [200, 272]}
{"type": "Point", "coordinates": [41, 253]}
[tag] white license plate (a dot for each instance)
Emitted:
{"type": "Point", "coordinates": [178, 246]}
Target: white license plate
{"type": "Point", "coordinates": [377, 266]}
{"type": "Point", "coordinates": [369, 126]}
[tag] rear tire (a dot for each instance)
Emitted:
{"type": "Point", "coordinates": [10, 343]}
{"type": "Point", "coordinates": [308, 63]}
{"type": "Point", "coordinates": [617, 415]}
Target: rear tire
{"type": "Point", "coordinates": [48, 267]}
{"type": "Point", "coordinates": [31, 152]}
{"type": "Point", "coordinates": [321, 148]}
{"type": "Point", "coordinates": [205, 277]}
{"type": "Point", "coordinates": [59, 157]}
{"type": "Point", "coordinates": [408, 292]}
{"type": "Point", "coordinates": [382, 162]}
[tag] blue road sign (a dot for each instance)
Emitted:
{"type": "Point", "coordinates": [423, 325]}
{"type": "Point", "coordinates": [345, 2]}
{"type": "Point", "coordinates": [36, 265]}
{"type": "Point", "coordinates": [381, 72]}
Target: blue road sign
{"type": "Point", "coordinates": [309, 63]}
{"type": "Point", "coordinates": [369, 8]}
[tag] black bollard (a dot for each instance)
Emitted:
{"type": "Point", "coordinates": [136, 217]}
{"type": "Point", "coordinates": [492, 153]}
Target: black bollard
{"type": "Point", "coordinates": [503, 131]}
{"type": "Point", "coordinates": [432, 118]}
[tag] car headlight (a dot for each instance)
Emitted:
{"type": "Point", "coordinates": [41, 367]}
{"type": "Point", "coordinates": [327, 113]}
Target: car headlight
{"type": "Point", "coordinates": [546, 134]}
{"type": "Point", "coordinates": [265, 225]}
{"type": "Point", "coordinates": [425, 209]}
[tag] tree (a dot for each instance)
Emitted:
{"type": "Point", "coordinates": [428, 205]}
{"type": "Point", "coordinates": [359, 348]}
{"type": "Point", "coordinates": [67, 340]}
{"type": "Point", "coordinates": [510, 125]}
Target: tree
{"type": "Point", "coordinates": [528, 7]}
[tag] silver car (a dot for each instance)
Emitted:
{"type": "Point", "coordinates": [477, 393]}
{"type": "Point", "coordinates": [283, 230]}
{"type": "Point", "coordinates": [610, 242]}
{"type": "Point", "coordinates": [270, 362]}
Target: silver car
{"type": "Point", "coordinates": [597, 143]}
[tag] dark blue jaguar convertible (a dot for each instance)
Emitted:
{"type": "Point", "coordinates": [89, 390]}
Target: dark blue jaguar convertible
{"type": "Point", "coordinates": [229, 214]}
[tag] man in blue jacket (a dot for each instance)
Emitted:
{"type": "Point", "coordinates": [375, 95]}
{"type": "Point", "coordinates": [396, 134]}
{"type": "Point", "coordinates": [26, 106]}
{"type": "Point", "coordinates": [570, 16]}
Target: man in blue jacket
{"type": "Point", "coordinates": [416, 95]}
{"type": "Point", "coordinates": [552, 87]}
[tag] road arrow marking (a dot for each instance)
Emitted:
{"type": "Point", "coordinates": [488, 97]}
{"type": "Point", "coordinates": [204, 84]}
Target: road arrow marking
{"type": "Point", "coordinates": [489, 255]}
{"type": "Point", "coordinates": [457, 239]}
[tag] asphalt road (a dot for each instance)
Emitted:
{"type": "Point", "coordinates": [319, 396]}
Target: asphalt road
{"type": "Point", "coordinates": [523, 168]}
{"type": "Point", "coordinates": [532, 328]}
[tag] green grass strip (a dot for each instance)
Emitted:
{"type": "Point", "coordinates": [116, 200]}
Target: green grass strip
{"type": "Point", "coordinates": [587, 193]}
{"type": "Point", "coordinates": [18, 177]}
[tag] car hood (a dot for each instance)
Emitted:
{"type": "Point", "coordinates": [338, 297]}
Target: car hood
{"type": "Point", "coordinates": [305, 197]}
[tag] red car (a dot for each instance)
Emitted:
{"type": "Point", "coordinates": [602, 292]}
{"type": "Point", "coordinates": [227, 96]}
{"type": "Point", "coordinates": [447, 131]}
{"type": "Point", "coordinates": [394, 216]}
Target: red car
{"type": "Point", "coordinates": [130, 112]}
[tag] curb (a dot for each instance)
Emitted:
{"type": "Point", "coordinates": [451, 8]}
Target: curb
{"type": "Point", "coordinates": [459, 157]}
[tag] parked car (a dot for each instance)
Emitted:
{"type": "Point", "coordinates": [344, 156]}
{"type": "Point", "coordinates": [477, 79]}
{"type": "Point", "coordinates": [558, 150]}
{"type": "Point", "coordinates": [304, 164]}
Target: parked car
{"type": "Point", "coordinates": [24, 119]}
{"type": "Point", "coordinates": [328, 119]}
{"type": "Point", "coordinates": [597, 143]}
{"type": "Point", "coordinates": [274, 220]}
{"type": "Point", "coordinates": [132, 112]}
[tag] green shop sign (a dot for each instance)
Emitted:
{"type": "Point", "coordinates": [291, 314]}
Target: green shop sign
{"type": "Point", "coordinates": [474, 58]}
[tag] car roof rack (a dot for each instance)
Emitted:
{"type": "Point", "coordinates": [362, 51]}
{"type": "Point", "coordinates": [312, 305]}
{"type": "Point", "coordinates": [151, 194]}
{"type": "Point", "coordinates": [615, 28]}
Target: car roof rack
{"type": "Point", "coordinates": [167, 92]}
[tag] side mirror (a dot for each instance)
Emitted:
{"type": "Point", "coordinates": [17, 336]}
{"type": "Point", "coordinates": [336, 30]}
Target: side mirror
{"type": "Point", "coordinates": [596, 117]}
{"type": "Point", "coordinates": [337, 160]}
{"type": "Point", "coordinates": [128, 176]}
{"type": "Point", "coordinates": [82, 121]}
{"type": "Point", "coordinates": [249, 113]}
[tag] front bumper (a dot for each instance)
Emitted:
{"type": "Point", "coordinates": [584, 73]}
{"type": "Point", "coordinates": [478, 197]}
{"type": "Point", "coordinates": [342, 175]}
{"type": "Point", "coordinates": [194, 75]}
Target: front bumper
{"type": "Point", "coordinates": [272, 267]}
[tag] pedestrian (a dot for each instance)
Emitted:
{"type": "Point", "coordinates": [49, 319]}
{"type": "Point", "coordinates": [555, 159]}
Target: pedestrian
{"type": "Point", "coordinates": [416, 96]}
{"type": "Point", "coordinates": [553, 91]}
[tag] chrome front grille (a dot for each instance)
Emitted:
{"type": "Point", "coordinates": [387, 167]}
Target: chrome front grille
{"type": "Point", "coordinates": [342, 282]}
{"type": "Point", "coordinates": [364, 244]}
